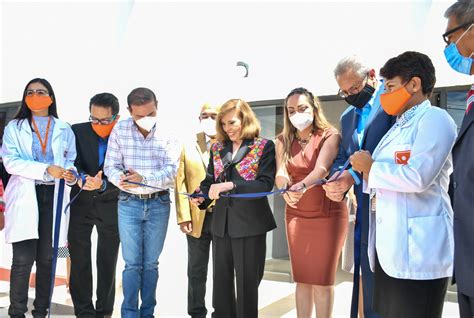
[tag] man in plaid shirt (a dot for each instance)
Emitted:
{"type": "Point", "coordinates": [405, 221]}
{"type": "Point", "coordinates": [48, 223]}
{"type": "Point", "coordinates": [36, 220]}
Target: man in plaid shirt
{"type": "Point", "coordinates": [138, 152]}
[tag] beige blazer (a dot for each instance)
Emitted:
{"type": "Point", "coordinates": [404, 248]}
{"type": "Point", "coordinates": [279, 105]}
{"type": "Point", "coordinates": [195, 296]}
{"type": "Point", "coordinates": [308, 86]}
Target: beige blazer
{"type": "Point", "coordinates": [192, 170]}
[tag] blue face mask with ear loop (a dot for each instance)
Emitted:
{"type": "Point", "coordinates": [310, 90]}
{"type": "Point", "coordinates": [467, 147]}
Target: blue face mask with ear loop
{"type": "Point", "coordinates": [459, 63]}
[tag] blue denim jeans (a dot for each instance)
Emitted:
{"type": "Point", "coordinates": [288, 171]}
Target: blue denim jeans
{"type": "Point", "coordinates": [142, 227]}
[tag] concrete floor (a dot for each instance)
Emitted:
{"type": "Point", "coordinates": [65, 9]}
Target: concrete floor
{"type": "Point", "coordinates": [276, 294]}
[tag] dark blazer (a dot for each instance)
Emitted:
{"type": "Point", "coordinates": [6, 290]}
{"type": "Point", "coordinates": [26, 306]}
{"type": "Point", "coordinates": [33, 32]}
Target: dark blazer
{"type": "Point", "coordinates": [87, 161]}
{"type": "Point", "coordinates": [4, 175]}
{"type": "Point", "coordinates": [374, 130]}
{"type": "Point", "coordinates": [240, 217]}
{"type": "Point", "coordinates": [462, 185]}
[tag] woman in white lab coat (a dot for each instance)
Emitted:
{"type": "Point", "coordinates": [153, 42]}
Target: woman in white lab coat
{"type": "Point", "coordinates": [411, 236]}
{"type": "Point", "coordinates": [37, 149]}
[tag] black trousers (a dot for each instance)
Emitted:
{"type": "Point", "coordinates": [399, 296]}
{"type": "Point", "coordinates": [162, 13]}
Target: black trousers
{"type": "Point", "coordinates": [83, 218]}
{"type": "Point", "coordinates": [245, 256]}
{"type": "Point", "coordinates": [466, 305]}
{"type": "Point", "coordinates": [198, 260]}
{"type": "Point", "coordinates": [25, 253]}
{"type": "Point", "coordinates": [408, 298]}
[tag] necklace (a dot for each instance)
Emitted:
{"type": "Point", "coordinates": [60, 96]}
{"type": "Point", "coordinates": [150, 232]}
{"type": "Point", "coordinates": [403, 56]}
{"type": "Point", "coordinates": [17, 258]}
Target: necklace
{"type": "Point", "coordinates": [304, 142]}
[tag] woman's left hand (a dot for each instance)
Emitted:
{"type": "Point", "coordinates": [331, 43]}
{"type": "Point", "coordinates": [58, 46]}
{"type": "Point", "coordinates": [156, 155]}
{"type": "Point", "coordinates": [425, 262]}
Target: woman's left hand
{"type": "Point", "coordinates": [362, 161]}
{"type": "Point", "coordinates": [294, 194]}
{"type": "Point", "coordinates": [298, 187]}
{"type": "Point", "coordinates": [217, 188]}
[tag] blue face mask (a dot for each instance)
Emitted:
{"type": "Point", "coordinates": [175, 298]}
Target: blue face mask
{"type": "Point", "coordinates": [459, 63]}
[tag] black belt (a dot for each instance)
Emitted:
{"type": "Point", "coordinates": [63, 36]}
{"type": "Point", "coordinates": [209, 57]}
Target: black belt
{"type": "Point", "coordinates": [44, 184]}
{"type": "Point", "coordinates": [147, 196]}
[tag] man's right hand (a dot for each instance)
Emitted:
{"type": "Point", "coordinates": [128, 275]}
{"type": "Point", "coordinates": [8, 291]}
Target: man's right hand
{"type": "Point", "coordinates": [335, 190]}
{"type": "Point", "coordinates": [186, 227]}
{"type": "Point", "coordinates": [94, 183]}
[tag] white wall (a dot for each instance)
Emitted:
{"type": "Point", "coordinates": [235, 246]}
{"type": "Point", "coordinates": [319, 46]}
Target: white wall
{"type": "Point", "coordinates": [186, 52]}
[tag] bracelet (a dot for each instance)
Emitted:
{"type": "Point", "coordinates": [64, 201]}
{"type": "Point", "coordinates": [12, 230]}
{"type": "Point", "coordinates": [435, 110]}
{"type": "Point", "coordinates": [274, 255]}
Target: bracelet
{"type": "Point", "coordinates": [304, 187]}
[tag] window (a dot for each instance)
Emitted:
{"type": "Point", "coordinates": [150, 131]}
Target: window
{"type": "Point", "coordinates": [456, 105]}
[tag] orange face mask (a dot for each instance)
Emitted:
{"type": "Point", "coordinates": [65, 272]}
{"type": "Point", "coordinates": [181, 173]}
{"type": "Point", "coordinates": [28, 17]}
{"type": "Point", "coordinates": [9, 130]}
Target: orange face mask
{"type": "Point", "coordinates": [36, 102]}
{"type": "Point", "coordinates": [394, 102]}
{"type": "Point", "coordinates": [103, 131]}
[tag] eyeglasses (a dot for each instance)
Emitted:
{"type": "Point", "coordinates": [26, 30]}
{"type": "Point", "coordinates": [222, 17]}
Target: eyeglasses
{"type": "Point", "coordinates": [39, 92]}
{"type": "Point", "coordinates": [104, 121]}
{"type": "Point", "coordinates": [448, 33]}
{"type": "Point", "coordinates": [354, 89]}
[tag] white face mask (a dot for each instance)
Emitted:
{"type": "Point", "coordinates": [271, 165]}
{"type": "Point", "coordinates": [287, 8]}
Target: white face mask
{"type": "Point", "coordinates": [147, 122]}
{"type": "Point", "coordinates": [208, 126]}
{"type": "Point", "coordinates": [301, 121]}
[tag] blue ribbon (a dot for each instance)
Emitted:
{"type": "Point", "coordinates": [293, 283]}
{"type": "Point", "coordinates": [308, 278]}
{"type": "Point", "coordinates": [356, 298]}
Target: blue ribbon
{"type": "Point", "coordinates": [247, 195]}
{"type": "Point", "coordinates": [81, 177]}
{"type": "Point", "coordinates": [57, 227]}
{"type": "Point", "coordinates": [340, 171]}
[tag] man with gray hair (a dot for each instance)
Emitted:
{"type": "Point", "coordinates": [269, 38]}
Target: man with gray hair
{"type": "Point", "coordinates": [459, 38]}
{"type": "Point", "coordinates": [363, 124]}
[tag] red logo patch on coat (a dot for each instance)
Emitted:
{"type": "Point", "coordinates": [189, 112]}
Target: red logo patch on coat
{"type": "Point", "coordinates": [401, 157]}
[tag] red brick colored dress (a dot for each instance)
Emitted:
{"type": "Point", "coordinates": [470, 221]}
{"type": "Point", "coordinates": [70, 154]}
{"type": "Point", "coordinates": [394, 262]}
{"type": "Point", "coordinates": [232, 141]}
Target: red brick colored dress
{"type": "Point", "coordinates": [317, 228]}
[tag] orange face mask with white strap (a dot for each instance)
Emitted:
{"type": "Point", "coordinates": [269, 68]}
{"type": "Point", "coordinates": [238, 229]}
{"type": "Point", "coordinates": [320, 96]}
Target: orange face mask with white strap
{"type": "Point", "coordinates": [37, 102]}
{"type": "Point", "coordinates": [104, 131]}
{"type": "Point", "coordinates": [394, 102]}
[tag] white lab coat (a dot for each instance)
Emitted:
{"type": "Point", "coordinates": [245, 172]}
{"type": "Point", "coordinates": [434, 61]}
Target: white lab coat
{"type": "Point", "coordinates": [21, 210]}
{"type": "Point", "coordinates": [412, 229]}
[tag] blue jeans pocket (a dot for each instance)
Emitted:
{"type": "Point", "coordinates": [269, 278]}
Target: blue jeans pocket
{"type": "Point", "coordinates": [165, 198]}
{"type": "Point", "coordinates": [123, 197]}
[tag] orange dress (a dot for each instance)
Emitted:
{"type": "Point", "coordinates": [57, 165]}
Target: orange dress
{"type": "Point", "coordinates": [317, 227]}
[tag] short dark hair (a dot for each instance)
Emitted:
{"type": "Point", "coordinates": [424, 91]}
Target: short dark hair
{"type": "Point", "coordinates": [463, 11]}
{"type": "Point", "coordinates": [140, 96]}
{"type": "Point", "coordinates": [25, 113]}
{"type": "Point", "coordinates": [408, 65]}
{"type": "Point", "coordinates": [105, 100]}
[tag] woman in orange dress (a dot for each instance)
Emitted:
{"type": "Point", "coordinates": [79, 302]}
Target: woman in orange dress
{"type": "Point", "coordinates": [316, 227]}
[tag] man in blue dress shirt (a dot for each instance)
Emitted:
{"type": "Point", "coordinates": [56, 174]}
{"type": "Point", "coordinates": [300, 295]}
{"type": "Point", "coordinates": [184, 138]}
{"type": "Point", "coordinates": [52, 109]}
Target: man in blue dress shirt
{"type": "Point", "coordinates": [95, 206]}
{"type": "Point", "coordinates": [363, 124]}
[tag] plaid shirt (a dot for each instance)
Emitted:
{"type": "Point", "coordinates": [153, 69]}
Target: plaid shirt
{"type": "Point", "coordinates": [155, 157]}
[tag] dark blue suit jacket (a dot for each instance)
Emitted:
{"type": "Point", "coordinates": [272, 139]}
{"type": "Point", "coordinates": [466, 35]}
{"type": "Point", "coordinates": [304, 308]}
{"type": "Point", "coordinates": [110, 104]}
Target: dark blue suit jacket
{"type": "Point", "coordinates": [375, 129]}
{"type": "Point", "coordinates": [462, 185]}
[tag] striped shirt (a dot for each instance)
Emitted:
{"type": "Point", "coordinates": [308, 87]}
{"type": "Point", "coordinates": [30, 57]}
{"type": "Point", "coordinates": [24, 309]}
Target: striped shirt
{"type": "Point", "coordinates": [470, 99]}
{"type": "Point", "coordinates": [155, 157]}
{"type": "Point", "coordinates": [42, 123]}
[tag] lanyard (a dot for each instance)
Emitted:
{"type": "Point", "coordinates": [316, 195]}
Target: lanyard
{"type": "Point", "coordinates": [43, 144]}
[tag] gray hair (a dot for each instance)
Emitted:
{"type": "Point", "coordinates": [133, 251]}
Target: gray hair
{"type": "Point", "coordinates": [351, 63]}
{"type": "Point", "coordinates": [462, 10]}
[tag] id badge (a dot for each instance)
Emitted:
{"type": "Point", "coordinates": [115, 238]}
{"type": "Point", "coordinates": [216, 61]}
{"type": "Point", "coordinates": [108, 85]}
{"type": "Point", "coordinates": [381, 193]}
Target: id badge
{"type": "Point", "coordinates": [373, 202]}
